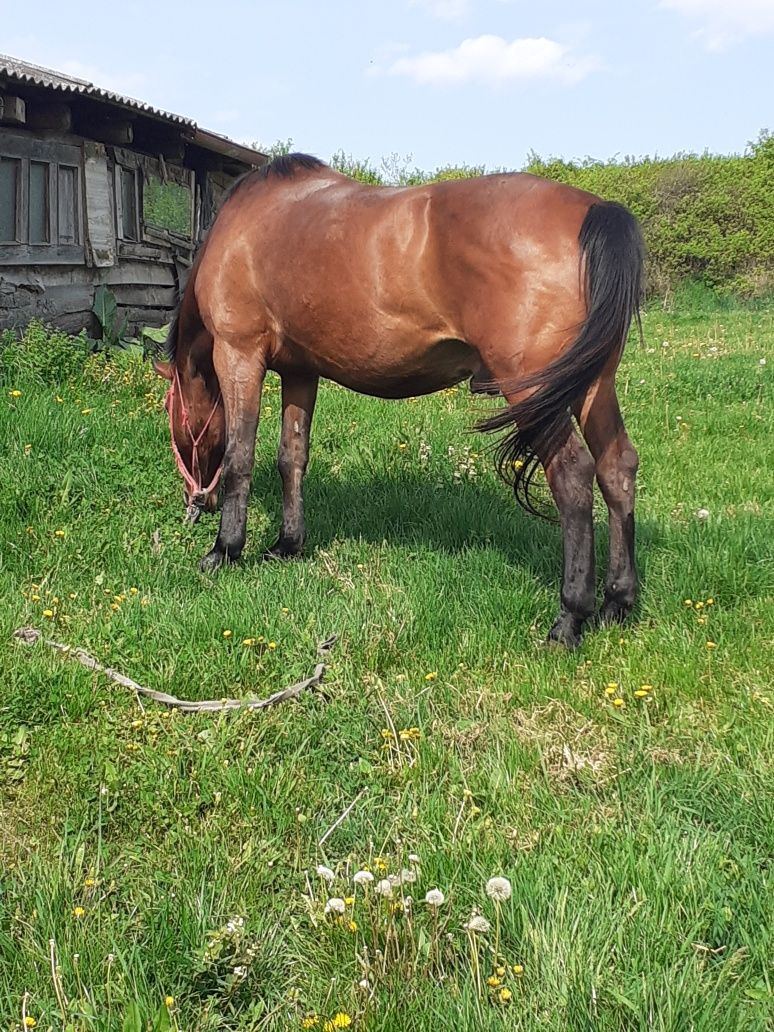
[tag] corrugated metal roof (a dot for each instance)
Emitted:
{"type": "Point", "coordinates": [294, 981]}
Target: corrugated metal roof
{"type": "Point", "coordinates": [34, 75]}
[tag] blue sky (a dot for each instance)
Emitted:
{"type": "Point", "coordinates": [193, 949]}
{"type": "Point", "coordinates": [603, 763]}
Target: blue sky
{"type": "Point", "coordinates": [441, 81]}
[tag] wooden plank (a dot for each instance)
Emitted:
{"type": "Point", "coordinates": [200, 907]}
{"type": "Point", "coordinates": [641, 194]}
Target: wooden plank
{"type": "Point", "coordinates": [52, 116]}
{"type": "Point", "coordinates": [137, 296]}
{"type": "Point", "coordinates": [13, 110]}
{"type": "Point", "coordinates": [100, 214]}
{"type": "Point", "coordinates": [41, 254]}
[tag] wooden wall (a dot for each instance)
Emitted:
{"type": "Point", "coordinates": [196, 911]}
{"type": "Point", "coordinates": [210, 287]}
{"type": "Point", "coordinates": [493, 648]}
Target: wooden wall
{"type": "Point", "coordinates": [144, 274]}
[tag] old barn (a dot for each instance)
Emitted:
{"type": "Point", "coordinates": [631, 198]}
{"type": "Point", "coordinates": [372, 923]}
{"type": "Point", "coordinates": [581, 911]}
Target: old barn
{"type": "Point", "coordinates": [97, 188]}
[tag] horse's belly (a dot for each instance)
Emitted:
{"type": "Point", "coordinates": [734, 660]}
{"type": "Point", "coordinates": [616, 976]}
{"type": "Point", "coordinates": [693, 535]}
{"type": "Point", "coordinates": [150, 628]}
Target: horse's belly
{"type": "Point", "coordinates": [385, 372]}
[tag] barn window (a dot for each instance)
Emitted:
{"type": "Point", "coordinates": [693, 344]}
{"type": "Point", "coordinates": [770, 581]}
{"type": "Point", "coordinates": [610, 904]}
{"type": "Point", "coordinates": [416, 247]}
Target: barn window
{"type": "Point", "coordinates": [129, 210]}
{"type": "Point", "coordinates": [41, 216]}
{"type": "Point", "coordinates": [167, 205]}
{"type": "Point", "coordinates": [10, 169]}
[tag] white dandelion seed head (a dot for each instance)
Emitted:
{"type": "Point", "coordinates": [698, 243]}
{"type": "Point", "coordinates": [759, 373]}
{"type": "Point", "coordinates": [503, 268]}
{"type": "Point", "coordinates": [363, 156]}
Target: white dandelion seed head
{"type": "Point", "coordinates": [702, 514]}
{"type": "Point", "coordinates": [478, 923]}
{"type": "Point", "coordinates": [325, 873]}
{"type": "Point", "coordinates": [335, 906]}
{"type": "Point", "coordinates": [240, 971]}
{"type": "Point", "coordinates": [384, 888]}
{"type": "Point", "coordinates": [413, 859]}
{"type": "Point", "coordinates": [762, 361]}
{"type": "Point", "coordinates": [364, 983]}
{"type": "Point", "coordinates": [363, 878]}
{"type": "Point", "coordinates": [407, 877]}
{"type": "Point", "coordinates": [498, 889]}
{"type": "Point", "coordinates": [435, 898]}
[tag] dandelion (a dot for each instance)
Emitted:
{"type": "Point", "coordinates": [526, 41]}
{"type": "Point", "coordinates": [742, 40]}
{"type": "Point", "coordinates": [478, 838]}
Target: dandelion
{"type": "Point", "coordinates": [339, 1020]}
{"type": "Point", "coordinates": [493, 981]}
{"type": "Point", "coordinates": [29, 1021]}
{"type": "Point", "coordinates": [325, 873]}
{"type": "Point", "coordinates": [59, 533]}
{"type": "Point", "coordinates": [78, 911]}
{"type": "Point", "coordinates": [169, 1001]}
{"type": "Point", "coordinates": [248, 642]}
{"type": "Point", "coordinates": [618, 703]}
{"type": "Point", "coordinates": [518, 970]}
{"type": "Point", "coordinates": [413, 859]}
{"type": "Point", "coordinates": [710, 601]}
{"type": "Point", "coordinates": [310, 1021]}
{"type": "Point", "coordinates": [478, 924]}
{"type": "Point", "coordinates": [640, 694]}
{"type": "Point", "coordinates": [363, 878]}
{"type": "Point", "coordinates": [89, 883]}
{"type": "Point", "coordinates": [435, 898]}
{"type": "Point", "coordinates": [272, 645]}
{"type": "Point", "coordinates": [14, 394]}
{"type": "Point", "coordinates": [498, 889]}
{"type": "Point", "coordinates": [702, 514]}
{"type": "Point", "coordinates": [611, 688]}
{"type": "Point", "coordinates": [335, 905]}
{"type": "Point", "coordinates": [505, 995]}
{"type": "Point", "coordinates": [48, 613]}
{"type": "Point", "coordinates": [711, 645]}
{"type": "Point", "coordinates": [384, 888]}
{"type": "Point", "coordinates": [431, 676]}
{"type": "Point", "coordinates": [688, 602]}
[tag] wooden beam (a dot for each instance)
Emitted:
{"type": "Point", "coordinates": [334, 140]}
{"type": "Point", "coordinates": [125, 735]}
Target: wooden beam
{"type": "Point", "coordinates": [116, 131]}
{"type": "Point", "coordinates": [53, 115]}
{"type": "Point", "coordinates": [13, 110]}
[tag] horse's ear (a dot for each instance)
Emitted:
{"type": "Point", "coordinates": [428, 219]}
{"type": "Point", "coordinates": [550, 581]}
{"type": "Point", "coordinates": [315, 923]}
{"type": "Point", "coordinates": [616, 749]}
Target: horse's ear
{"type": "Point", "coordinates": [163, 369]}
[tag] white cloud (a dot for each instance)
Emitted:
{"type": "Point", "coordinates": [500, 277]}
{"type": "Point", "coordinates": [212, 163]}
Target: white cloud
{"type": "Point", "coordinates": [446, 9]}
{"type": "Point", "coordinates": [723, 22]}
{"type": "Point", "coordinates": [493, 59]}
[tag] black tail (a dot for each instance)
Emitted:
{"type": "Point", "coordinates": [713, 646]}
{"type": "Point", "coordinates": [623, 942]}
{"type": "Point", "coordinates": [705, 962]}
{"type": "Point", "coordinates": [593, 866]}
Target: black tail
{"type": "Point", "coordinates": [611, 245]}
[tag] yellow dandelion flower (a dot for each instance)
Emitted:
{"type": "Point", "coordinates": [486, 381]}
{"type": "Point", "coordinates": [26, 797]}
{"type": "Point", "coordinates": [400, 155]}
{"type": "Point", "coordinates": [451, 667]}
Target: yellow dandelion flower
{"type": "Point", "coordinates": [611, 688]}
{"type": "Point", "coordinates": [29, 1021]}
{"type": "Point", "coordinates": [518, 969]}
{"type": "Point", "coordinates": [89, 883]}
{"type": "Point", "coordinates": [352, 926]}
{"type": "Point", "coordinates": [493, 981]}
{"type": "Point", "coordinates": [710, 601]}
{"type": "Point", "coordinates": [341, 1020]}
{"type": "Point", "coordinates": [48, 613]}
{"type": "Point", "coordinates": [698, 605]}
{"type": "Point", "coordinates": [14, 394]}
{"type": "Point", "coordinates": [618, 702]}
{"type": "Point", "coordinates": [59, 533]}
{"type": "Point", "coordinates": [310, 1021]}
{"type": "Point", "coordinates": [115, 606]}
{"type": "Point", "coordinates": [78, 911]}
{"type": "Point", "coordinates": [711, 645]}
{"type": "Point", "coordinates": [35, 598]}
{"type": "Point", "coordinates": [701, 620]}
{"type": "Point", "coordinates": [688, 602]}
{"type": "Point", "coordinates": [169, 1001]}
{"type": "Point", "coordinates": [505, 995]}
{"type": "Point", "coordinates": [272, 645]}
{"type": "Point", "coordinates": [248, 642]}
{"type": "Point", "coordinates": [86, 411]}
{"type": "Point", "coordinates": [134, 591]}
{"type": "Point", "coordinates": [500, 971]}
{"type": "Point", "coordinates": [431, 676]}
{"type": "Point", "coordinates": [386, 733]}
{"type": "Point", "coordinates": [285, 610]}
{"type": "Point", "coordinates": [640, 694]}
{"type": "Point", "coordinates": [646, 687]}
{"type": "Point", "coordinates": [227, 634]}
{"type": "Point", "coordinates": [402, 447]}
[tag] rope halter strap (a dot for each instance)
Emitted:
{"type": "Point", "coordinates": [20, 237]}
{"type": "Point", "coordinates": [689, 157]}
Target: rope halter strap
{"type": "Point", "coordinates": [197, 491]}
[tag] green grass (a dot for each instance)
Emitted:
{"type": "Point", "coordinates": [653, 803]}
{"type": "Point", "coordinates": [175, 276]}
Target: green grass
{"type": "Point", "coordinates": [638, 839]}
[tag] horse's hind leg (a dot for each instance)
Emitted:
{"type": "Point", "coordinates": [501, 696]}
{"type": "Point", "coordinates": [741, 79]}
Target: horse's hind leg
{"type": "Point", "coordinates": [616, 469]}
{"type": "Point", "coordinates": [570, 475]}
{"type": "Point", "coordinates": [299, 394]}
{"type": "Point", "coordinates": [241, 368]}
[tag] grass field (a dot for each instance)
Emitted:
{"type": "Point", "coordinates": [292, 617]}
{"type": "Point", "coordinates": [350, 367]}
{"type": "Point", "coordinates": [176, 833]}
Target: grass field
{"type": "Point", "coordinates": [159, 871]}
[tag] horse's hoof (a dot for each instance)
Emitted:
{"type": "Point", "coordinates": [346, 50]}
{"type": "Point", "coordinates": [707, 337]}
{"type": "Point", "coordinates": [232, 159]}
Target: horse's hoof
{"type": "Point", "coordinates": [613, 613]}
{"type": "Point", "coordinates": [212, 561]}
{"type": "Point", "coordinates": [282, 551]}
{"type": "Point", "coordinates": [567, 631]}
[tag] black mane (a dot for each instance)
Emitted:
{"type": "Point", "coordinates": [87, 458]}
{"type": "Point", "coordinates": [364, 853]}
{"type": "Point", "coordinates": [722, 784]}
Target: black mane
{"type": "Point", "coordinates": [284, 166]}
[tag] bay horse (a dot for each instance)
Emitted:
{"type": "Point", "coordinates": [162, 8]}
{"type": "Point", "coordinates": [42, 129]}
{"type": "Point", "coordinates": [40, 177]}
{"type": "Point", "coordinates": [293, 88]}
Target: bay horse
{"type": "Point", "coordinates": [398, 292]}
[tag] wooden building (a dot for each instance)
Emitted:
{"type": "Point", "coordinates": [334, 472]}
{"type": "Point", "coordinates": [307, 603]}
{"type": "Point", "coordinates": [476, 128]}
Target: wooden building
{"type": "Point", "coordinates": [96, 188]}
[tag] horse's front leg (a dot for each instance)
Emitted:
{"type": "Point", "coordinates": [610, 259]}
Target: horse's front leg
{"type": "Point", "coordinates": [241, 371]}
{"type": "Point", "coordinates": [299, 394]}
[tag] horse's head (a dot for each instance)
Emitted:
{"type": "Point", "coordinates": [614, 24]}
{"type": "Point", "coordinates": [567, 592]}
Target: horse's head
{"type": "Point", "coordinates": [198, 434]}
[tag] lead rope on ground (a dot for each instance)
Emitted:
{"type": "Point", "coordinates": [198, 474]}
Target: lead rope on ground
{"type": "Point", "coordinates": [31, 636]}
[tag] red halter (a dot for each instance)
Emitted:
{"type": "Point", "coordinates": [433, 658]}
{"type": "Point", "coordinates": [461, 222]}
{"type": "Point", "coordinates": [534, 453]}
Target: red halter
{"type": "Point", "coordinates": [193, 480]}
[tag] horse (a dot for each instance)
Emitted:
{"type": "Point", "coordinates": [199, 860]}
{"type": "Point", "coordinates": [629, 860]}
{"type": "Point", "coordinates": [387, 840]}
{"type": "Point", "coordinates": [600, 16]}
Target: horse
{"type": "Point", "coordinates": [509, 280]}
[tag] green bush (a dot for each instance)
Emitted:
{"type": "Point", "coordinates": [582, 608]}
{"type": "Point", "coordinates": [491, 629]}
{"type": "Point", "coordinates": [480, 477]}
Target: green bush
{"type": "Point", "coordinates": [41, 355]}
